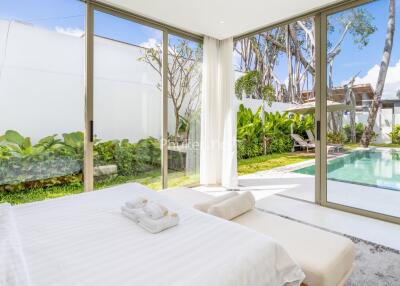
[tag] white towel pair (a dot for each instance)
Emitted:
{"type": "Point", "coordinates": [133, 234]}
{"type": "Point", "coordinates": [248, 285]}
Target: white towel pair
{"type": "Point", "coordinates": [151, 216]}
{"type": "Point", "coordinates": [152, 209]}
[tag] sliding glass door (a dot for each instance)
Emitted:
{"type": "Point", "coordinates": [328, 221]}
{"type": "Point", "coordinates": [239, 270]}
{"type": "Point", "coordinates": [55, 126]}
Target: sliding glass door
{"type": "Point", "coordinates": [184, 101]}
{"type": "Point", "coordinates": [127, 102]}
{"type": "Point", "coordinates": [361, 105]}
{"type": "Point", "coordinates": [276, 110]}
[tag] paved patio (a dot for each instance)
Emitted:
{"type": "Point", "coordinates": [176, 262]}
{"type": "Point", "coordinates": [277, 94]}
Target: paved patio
{"type": "Point", "coordinates": [284, 182]}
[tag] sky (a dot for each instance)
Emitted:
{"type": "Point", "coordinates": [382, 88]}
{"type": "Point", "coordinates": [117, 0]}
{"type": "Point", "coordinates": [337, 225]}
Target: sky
{"type": "Point", "coordinates": [68, 16]}
{"type": "Point", "coordinates": [364, 62]}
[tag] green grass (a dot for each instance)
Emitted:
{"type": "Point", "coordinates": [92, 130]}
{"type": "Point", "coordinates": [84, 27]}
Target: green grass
{"type": "Point", "coordinates": [150, 179]}
{"type": "Point", "coordinates": [267, 162]}
{"type": "Point", "coordinates": [356, 145]}
{"type": "Point", "coordinates": [388, 145]}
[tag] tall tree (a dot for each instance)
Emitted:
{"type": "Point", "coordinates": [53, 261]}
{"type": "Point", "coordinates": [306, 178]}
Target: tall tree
{"type": "Point", "coordinates": [387, 51]}
{"type": "Point", "coordinates": [184, 78]}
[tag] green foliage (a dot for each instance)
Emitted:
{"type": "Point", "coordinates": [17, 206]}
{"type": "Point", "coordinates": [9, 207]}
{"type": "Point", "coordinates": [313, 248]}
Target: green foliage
{"type": "Point", "coordinates": [249, 132]}
{"type": "Point", "coordinates": [302, 123]}
{"type": "Point", "coordinates": [359, 131]}
{"type": "Point", "coordinates": [53, 161]}
{"type": "Point", "coordinates": [359, 22]}
{"type": "Point", "coordinates": [270, 135]}
{"type": "Point", "coordinates": [395, 135]}
{"type": "Point", "coordinates": [251, 85]}
{"type": "Point", "coordinates": [336, 138]}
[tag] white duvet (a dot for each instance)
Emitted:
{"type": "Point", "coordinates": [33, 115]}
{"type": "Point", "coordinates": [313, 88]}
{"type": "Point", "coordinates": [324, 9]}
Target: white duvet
{"type": "Point", "coordinates": [84, 240]}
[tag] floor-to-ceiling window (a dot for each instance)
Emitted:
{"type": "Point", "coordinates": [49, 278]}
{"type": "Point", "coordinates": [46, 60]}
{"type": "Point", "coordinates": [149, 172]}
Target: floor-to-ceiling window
{"type": "Point", "coordinates": [275, 89]}
{"type": "Point", "coordinates": [362, 107]}
{"type": "Point", "coordinates": [55, 105]}
{"type": "Point", "coordinates": [184, 100]}
{"type": "Point", "coordinates": [127, 102]}
{"type": "Point", "coordinates": [42, 57]}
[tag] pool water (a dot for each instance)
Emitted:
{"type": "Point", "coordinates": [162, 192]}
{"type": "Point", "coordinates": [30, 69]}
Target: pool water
{"type": "Point", "coordinates": [377, 168]}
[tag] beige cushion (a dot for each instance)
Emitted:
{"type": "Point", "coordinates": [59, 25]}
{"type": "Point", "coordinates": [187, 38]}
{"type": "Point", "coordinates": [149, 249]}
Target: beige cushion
{"type": "Point", "coordinates": [205, 205]}
{"type": "Point", "coordinates": [233, 207]}
{"type": "Point", "coordinates": [326, 258]}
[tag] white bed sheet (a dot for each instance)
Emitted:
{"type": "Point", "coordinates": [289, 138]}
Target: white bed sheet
{"type": "Point", "coordinates": [84, 240]}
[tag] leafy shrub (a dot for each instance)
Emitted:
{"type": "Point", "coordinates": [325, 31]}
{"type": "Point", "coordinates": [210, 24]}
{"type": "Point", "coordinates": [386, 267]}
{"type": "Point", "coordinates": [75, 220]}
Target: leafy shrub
{"type": "Point", "coordinates": [279, 143]}
{"type": "Point", "coordinates": [336, 138]}
{"type": "Point", "coordinates": [246, 149]}
{"type": "Point", "coordinates": [359, 132]}
{"type": "Point", "coordinates": [271, 135]}
{"type": "Point", "coordinates": [395, 135]}
{"type": "Point", "coordinates": [53, 161]}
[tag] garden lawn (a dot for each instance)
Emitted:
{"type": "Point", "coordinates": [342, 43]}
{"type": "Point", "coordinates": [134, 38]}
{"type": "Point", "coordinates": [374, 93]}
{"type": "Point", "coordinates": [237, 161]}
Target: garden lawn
{"type": "Point", "coordinates": [267, 162]}
{"type": "Point", "coordinates": [150, 179]}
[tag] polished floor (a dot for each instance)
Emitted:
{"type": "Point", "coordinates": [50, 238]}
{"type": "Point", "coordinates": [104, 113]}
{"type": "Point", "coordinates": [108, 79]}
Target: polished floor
{"type": "Point", "coordinates": [268, 197]}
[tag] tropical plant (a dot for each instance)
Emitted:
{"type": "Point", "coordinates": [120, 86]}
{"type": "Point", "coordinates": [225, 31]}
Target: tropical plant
{"type": "Point", "coordinates": [270, 135]}
{"type": "Point", "coordinates": [251, 85]}
{"type": "Point", "coordinates": [336, 138]}
{"type": "Point", "coordinates": [249, 132]}
{"type": "Point", "coordinates": [395, 135]}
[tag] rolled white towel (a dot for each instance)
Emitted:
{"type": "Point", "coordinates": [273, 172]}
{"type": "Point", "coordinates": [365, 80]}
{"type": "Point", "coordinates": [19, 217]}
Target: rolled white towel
{"type": "Point", "coordinates": [155, 210]}
{"type": "Point", "coordinates": [233, 207]}
{"type": "Point", "coordinates": [204, 206]}
{"type": "Point", "coordinates": [158, 225]}
{"type": "Point", "coordinates": [133, 214]}
{"type": "Point", "coordinates": [136, 202]}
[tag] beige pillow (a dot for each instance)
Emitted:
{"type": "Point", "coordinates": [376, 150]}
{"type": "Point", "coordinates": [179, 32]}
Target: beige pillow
{"type": "Point", "coordinates": [234, 206]}
{"type": "Point", "coordinates": [207, 204]}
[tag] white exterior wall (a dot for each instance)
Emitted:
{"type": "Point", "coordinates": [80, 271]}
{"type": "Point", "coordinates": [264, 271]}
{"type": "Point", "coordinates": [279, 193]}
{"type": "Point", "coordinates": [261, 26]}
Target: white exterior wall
{"type": "Point", "coordinates": [42, 86]}
{"type": "Point", "coordinates": [383, 124]}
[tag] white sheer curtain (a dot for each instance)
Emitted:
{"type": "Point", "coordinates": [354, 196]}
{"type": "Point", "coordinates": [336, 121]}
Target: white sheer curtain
{"type": "Point", "coordinates": [218, 164]}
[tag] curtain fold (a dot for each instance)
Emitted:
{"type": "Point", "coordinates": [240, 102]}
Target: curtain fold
{"type": "Point", "coordinates": [218, 163]}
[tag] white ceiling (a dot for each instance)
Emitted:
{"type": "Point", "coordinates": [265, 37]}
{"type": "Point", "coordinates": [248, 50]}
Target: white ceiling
{"type": "Point", "coordinates": [219, 18]}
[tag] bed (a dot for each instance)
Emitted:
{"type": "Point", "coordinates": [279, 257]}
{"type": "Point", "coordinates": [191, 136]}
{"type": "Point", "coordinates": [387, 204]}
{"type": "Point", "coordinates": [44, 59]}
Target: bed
{"type": "Point", "coordinates": [84, 240]}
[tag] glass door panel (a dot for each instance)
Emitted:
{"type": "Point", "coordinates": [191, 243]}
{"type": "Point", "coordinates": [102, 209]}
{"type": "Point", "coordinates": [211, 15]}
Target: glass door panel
{"type": "Point", "coordinates": [127, 102]}
{"type": "Point", "coordinates": [275, 79]}
{"type": "Point", "coordinates": [184, 101]}
{"type": "Point", "coordinates": [362, 108]}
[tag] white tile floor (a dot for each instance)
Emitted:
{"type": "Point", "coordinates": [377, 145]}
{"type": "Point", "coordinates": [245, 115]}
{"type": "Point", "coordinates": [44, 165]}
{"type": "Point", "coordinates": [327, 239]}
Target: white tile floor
{"type": "Point", "coordinates": [267, 197]}
{"type": "Point", "coordinates": [300, 186]}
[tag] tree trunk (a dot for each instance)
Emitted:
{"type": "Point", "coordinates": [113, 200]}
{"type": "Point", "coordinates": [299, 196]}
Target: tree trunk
{"type": "Point", "coordinates": [373, 111]}
{"type": "Point", "coordinates": [176, 126]}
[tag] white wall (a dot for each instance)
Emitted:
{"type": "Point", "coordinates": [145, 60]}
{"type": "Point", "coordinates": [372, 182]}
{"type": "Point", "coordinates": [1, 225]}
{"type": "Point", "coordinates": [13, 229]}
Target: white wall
{"type": "Point", "coordinates": [254, 104]}
{"type": "Point", "coordinates": [42, 86]}
{"type": "Point", "coordinates": [383, 124]}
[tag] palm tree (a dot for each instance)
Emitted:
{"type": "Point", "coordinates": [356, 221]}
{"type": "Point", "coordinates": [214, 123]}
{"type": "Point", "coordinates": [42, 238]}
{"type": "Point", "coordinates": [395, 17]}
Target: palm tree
{"type": "Point", "coordinates": [387, 51]}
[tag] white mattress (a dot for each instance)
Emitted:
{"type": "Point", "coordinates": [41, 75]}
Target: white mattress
{"type": "Point", "coordinates": [84, 240]}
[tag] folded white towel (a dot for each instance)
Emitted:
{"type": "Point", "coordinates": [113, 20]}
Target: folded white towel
{"type": "Point", "coordinates": [136, 203]}
{"type": "Point", "coordinates": [204, 206]}
{"type": "Point", "coordinates": [155, 210]}
{"type": "Point", "coordinates": [133, 214]}
{"type": "Point", "coordinates": [158, 225]}
{"type": "Point", "coordinates": [233, 207]}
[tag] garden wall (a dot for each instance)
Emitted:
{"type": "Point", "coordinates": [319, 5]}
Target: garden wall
{"type": "Point", "coordinates": [42, 86]}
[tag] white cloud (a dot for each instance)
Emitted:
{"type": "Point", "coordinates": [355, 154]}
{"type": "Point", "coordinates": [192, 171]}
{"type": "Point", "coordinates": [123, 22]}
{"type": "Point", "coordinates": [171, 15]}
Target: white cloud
{"type": "Point", "coordinates": [392, 83]}
{"type": "Point", "coordinates": [75, 32]}
{"type": "Point", "coordinates": [151, 43]}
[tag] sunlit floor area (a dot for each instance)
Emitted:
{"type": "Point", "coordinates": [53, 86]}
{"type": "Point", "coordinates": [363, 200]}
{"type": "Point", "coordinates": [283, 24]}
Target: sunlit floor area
{"type": "Point", "coordinates": [271, 200]}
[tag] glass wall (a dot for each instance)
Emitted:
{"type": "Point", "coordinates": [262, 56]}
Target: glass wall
{"type": "Point", "coordinates": [42, 57]}
{"type": "Point", "coordinates": [275, 89]}
{"type": "Point", "coordinates": [127, 102]}
{"type": "Point", "coordinates": [184, 100]}
{"type": "Point", "coordinates": [363, 60]}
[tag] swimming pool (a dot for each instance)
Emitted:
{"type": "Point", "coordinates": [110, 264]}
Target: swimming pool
{"type": "Point", "coordinates": [377, 168]}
